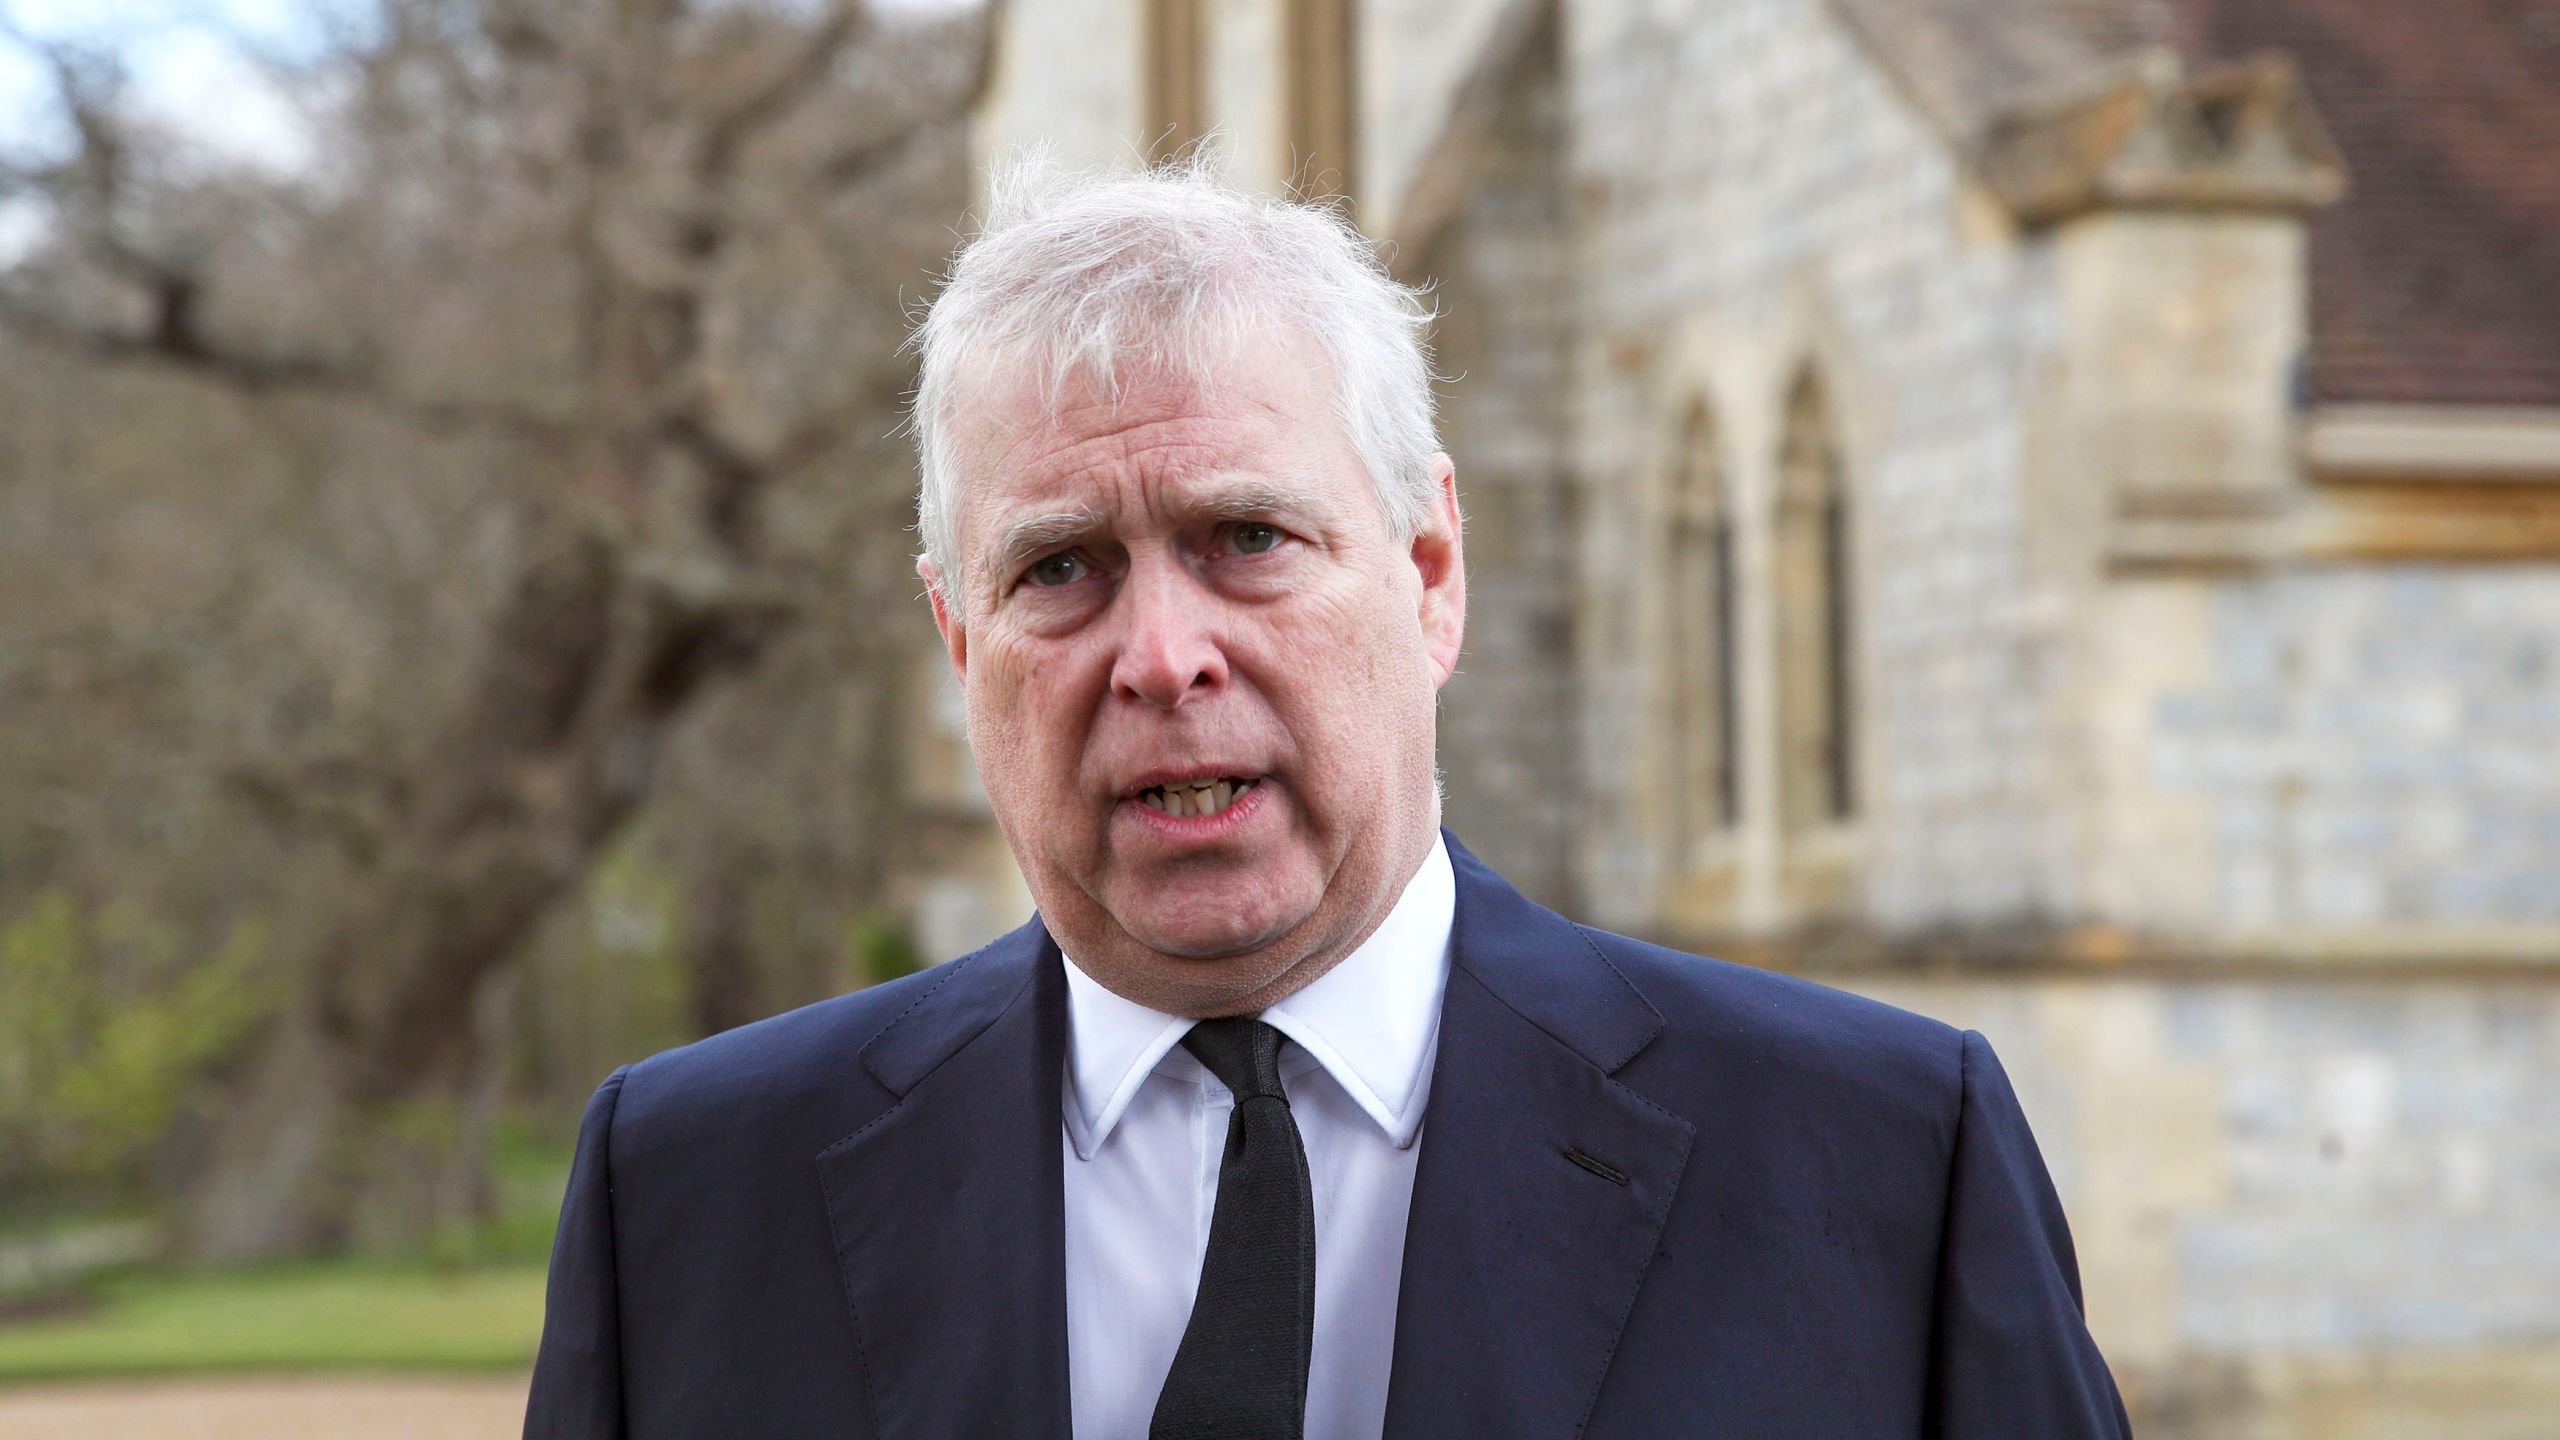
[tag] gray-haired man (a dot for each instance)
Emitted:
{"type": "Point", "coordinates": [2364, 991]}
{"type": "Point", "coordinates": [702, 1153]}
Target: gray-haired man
{"type": "Point", "coordinates": [1284, 1115]}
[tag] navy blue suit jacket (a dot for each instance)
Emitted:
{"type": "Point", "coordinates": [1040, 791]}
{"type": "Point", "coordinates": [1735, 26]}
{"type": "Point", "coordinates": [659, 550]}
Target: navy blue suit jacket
{"type": "Point", "coordinates": [1806, 1214]}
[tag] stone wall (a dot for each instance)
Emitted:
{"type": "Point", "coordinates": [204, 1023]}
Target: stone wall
{"type": "Point", "coordinates": [1068, 78]}
{"type": "Point", "coordinates": [2313, 1197]}
{"type": "Point", "coordinates": [1246, 95]}
{"type": "Point", "coordinates": [2361, 757]}
{"type": "Point", "coordinates": [1754, 195]}
{"type": "Point", "coordinates": [2303, 1125]}
{"type": "Point", "coordinates": [2304, 1206]}
{"type": "Point", "coordinates": [1414, 60]}
{"type": "Point", "coordinates": [1508, 719]}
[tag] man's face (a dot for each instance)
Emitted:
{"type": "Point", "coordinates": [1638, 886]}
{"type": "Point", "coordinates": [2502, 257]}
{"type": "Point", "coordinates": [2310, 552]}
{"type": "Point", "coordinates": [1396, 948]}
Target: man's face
{"type": "Point", "coordinates": [1200, 673]}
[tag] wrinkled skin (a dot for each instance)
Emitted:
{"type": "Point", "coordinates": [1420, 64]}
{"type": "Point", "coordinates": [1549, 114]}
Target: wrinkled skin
{"type": "Point", "coordinates": [1217, 591]}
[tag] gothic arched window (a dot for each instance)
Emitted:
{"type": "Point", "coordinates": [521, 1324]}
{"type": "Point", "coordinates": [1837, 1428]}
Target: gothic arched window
{"type": "Point", "coordinates": [1818, 781]}
{"type": "Point", "coordinates": [1704, 775]}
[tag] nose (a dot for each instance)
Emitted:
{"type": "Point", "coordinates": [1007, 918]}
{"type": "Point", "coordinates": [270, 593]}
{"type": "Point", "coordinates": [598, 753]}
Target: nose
{"type": "Point", "coordinates": [1169, 650]}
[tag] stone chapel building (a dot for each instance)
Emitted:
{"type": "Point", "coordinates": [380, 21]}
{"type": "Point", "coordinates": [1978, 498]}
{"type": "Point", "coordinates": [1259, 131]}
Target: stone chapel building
{"type": "Point", "coordinates": [2044, 511]}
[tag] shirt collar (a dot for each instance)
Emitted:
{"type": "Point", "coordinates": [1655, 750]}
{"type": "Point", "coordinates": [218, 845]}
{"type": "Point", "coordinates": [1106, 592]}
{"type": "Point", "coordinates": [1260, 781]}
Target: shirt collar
{"type": "Point", "coordinates": [1372, 1022]}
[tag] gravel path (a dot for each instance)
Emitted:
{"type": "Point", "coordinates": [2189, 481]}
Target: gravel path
{"type": "Point", "coordinates": [358, 1408]}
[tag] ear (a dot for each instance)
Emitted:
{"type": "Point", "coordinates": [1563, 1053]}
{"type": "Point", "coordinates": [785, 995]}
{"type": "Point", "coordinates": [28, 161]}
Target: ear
{"type": "Point", "coordinates": [1439, 558]}
{"type": "Point", "coordinates": [955, 636]}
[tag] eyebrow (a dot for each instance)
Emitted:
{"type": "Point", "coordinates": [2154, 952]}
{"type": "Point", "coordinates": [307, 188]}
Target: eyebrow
{"type": "Point", "coordinates": [1250, 500]}
{"type": "Point", "coordinates": [1242, 500]}
{"type": "Point", "coordinates": [1032, 534]}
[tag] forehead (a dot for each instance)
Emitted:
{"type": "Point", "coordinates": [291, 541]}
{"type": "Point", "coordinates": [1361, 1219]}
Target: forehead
{"type": "Point", "coordinates": [1159, 437]}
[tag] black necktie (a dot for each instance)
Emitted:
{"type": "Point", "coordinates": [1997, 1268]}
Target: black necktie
{"type": "Point", "coordinates": [1241, 1373]}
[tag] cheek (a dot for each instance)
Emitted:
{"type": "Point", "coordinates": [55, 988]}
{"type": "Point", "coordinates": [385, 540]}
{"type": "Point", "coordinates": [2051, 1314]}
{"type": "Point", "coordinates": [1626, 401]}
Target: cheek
{"type": "Point", "coordinates": [1379, 644]}
{"type": "Point", "coordinates": [1025, 718]}
{"type": "Point", "coordinates": [1359, 679]}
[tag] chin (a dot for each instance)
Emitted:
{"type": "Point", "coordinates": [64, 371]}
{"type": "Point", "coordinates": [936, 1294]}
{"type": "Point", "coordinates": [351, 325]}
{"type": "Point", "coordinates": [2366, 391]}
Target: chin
{"type": "Point", "coordinates": [1200, 913]}
{"type": "Point", "coordinates": [1204, 924]}
{"type": "Point", "coordinates": [1203, 942]}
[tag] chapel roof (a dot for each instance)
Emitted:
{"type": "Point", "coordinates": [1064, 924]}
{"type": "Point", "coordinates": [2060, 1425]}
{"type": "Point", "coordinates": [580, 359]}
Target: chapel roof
{"type": "Point", "coordinates": [2437, 280]}
{"type": "Point", "coordinates": [2434, 281]}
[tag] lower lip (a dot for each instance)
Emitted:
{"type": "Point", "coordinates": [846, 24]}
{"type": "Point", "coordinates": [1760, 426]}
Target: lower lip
{"type": "Point", "coordinates": [1195, 828]}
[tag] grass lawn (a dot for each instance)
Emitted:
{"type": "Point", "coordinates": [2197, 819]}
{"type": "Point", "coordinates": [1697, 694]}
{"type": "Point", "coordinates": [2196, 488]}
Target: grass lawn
{"type": "Point", "coordinates": [480, 1310]}
{"type": "Point", "coordinates": [293, 1318]}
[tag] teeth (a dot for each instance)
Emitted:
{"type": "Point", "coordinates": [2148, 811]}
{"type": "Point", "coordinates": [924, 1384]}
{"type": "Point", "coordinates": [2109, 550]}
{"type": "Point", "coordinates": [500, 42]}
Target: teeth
{"type": "Point", "coordinates": [1195, 797]}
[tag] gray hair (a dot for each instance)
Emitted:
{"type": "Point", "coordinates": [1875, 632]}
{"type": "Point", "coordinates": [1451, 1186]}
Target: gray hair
{"type": "Point", "coordinates": [1101, 273]}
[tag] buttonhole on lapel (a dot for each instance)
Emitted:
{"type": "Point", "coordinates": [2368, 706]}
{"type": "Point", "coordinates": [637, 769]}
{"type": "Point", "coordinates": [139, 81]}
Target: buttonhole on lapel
{"type": "Point", "coordinates": [1610, 1173]}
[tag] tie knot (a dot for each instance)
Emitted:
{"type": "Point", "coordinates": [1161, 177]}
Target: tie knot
{"type": "Point", "coordinates": [1243, 1053]}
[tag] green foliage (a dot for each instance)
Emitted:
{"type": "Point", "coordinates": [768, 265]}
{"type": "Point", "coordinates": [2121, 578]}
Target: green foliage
{"type": "Point", "coordinates": [529, 1171]}
{"type": "Point", "coordinates": [532, 1171]}
{"type": "Point", "coordinates": [107, 1027]}
{"type": "Point", "coordinates": [879, 949]}
{"type": "Point", "coordinates": [623, 995]}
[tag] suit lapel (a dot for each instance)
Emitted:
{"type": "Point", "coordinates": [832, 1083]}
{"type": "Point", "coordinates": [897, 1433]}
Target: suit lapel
{"type": "Point", "coordinates": [1522, 1258]}
{"type": "Point", "coordinates": [1543, 1183]}
{"type": "Point", "coordinates": [946, 1206]}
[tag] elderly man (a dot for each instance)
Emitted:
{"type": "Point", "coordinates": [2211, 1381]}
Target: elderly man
{"type": "Point", "coordinates": [1284, 1115]}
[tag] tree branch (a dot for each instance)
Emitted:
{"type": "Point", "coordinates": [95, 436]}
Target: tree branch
{"type": "Point", "coordinates": [173, 337]}
{"type": "Point", "coordinates": [736, 475]}
{"type": "Point", "coordinates": [732, 128]}
{"type": "Point", "coordinates": [88, 188]}
{"type": "Point", "coordinates": [175, 340]}
{"type": "Point", "coordinates": [859, 161]}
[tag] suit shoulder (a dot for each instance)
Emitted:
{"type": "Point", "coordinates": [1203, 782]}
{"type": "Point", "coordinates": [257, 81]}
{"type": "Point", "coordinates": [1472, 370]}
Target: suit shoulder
{"type": "Point", "coordinates": [766, 1072]}
{"type": "Point", "coordinates": [1786, 1026]}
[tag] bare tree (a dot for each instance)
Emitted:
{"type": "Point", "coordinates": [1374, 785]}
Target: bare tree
{"type": "Point", "coordinates": [619, 247]}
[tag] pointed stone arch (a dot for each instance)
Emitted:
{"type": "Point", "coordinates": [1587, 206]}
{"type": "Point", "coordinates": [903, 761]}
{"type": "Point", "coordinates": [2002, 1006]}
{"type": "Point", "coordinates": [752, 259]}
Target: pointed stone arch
{"type": "Point", "coordinates": [1701, 638]}
{"type": "Point", "coordinates": [1815, 605]}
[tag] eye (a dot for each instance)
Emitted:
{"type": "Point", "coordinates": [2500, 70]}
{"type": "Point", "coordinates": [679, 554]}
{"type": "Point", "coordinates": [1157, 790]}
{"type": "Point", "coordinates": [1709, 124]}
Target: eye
{"type": "Point", "coordinates": [1064, 568]}
{"type": "Point", "coordinates": [1253, 537]}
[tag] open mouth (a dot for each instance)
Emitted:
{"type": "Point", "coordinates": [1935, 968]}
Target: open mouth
{"type": "Point", "coordinates": [1190, 798]}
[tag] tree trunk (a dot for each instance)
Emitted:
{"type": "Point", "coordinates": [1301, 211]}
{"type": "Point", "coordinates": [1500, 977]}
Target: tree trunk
{"type": "Point", "coordinates": [349, 1125]}
{"type": "Point", "coordinates": [721, 973]}
{"type": "Point", "coordinates": [273, 1150]}
{"type": "Point", "coordinates": [637, 148]}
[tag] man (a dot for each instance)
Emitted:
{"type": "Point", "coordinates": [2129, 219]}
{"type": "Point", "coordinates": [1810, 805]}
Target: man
{"type": "Point", "coordinates": [1284, 1114]}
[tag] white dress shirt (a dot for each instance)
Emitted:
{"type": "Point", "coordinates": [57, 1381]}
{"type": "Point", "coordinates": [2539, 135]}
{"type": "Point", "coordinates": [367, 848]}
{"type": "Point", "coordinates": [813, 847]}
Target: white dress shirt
{"type": "Point", "coordinates": [1145, 1127]}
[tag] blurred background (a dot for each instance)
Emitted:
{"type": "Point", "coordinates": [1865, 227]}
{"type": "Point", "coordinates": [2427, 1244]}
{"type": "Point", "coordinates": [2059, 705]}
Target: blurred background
{"type": "Point", "coordinates": [2043, 511]}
